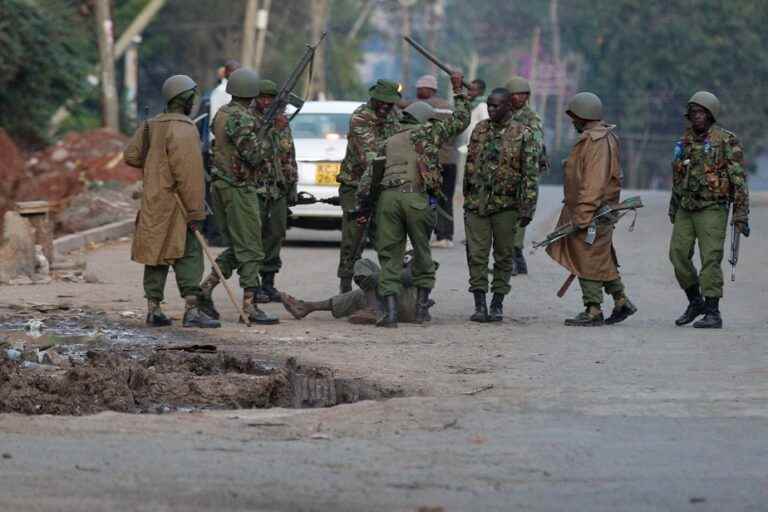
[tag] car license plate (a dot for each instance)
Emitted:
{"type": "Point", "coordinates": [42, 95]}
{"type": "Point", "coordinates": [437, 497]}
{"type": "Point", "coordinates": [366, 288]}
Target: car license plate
{"type": "Point", "coordinates": [325, 173]}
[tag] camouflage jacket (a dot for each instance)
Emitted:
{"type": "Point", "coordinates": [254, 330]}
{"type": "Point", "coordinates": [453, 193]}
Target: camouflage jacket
{"type": "Point", "coordinates": [427, 140]}
{"type": "Point", "coordinates": [502, 170]}
{"type": "Point", "coordinates": [282, 166]}
{"type": "Point", "coordinates": [239, 155]}
{"type": "Point", "coordinates": [708, 171]}
{"type": "Point", "coordinates": [532, 120]}
{"type": "Point", "coordinates": [365, 141]}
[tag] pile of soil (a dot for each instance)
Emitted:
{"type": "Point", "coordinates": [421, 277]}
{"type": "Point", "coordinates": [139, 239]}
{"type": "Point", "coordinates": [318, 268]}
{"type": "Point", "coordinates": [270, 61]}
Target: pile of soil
{"type": "Point", "coordinates": [163, 382]}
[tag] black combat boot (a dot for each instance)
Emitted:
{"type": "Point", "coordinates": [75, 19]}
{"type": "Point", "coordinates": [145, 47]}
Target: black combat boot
{"type": "Point", "coordinates": [519, 259]}
{"type": "Point", "coordinates": [155, 315]}
{"type": "Point", "coordinates": [253, 312]}
{"type": "Point", "coordinates": [481, 307]}
{"type": "Point", "coordinates": [389, 319]}
{"type": "Point", "coordinates": [268, 286]}
{"type": "Point", "coordinates": [712, 318]}
{"type": "Point", "coordinates": [345, 285]}
{"type": "Point", "coordinates": [592, 316]}
{"type": "Point", "coordinates": [695, 306]}
{"type": "Point", "coordinates": [622, 309]}
{"type": "Point", "coordinates": [205, 301]}
{"type": "Point", "coordinates": [422, 305]}
{"type": "Point", "coordinates": [497, 308]}
{"type": "Point", "coordinates": [195, 317]}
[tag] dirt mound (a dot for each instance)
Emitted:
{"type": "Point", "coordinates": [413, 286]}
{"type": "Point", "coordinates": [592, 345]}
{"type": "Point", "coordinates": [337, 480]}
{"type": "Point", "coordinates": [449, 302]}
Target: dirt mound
{"type": "Point", "coordinates": [164, 382]}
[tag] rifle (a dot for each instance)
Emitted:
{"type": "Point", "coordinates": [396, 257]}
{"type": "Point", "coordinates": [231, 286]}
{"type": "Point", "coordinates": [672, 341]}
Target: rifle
{"type": "Point", "coordinates": [612, 213]}
{"type": "Point", "coordinates": [431, 58]}
{"type": "Point", "coordinates": [286, 96]}
{"type": "Point", "coordinates": [378, 166]}
{"type": "Point", "coordinates": [735, 242]}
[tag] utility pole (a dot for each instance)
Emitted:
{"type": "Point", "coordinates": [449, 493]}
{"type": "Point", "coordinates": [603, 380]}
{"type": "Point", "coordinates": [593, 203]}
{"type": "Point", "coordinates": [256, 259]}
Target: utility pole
{"type": "Point", "coordinates": [262, 20]}
{"type": "Point", "coordinates": [535, 44]}
{"type": "Point", "coordinates": [319, 17]}
{"type": "Point", "coordinates": [131, 78]}
{"type": "Point", "coordinates": [109, 102]}
{"type": "Point", "coordinates": [559, 73]}
{"type": "Point", "coordinates": [435, 17]}
{"type": "Point", "coordinates": [249, 32]}
{"type": "Point", "coordinates": [405, 9]}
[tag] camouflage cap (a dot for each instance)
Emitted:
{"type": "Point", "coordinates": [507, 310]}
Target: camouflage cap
{"type": "Point", "coordinates": [518, 84]}
{"type": "Point", "coordinates": [386, 91]}
{"type": "Point", "coordinates": [707, 100]}
{"type": "Point", "coordinates": [267, 88]}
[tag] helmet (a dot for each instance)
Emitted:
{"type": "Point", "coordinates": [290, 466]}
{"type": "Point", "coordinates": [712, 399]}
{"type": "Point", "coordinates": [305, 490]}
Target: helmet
{"type": "Point", "coordinates": [386, 91]}
{"type": "Point", "coordinates": [176, 85]}
{"type": "Point", "coordinates": [420, 110]}
{"type": "Point", "coordinates": [518, 84]}
{"type": "Point", "coordinates": [707, 100]}
{"type": "Point", "coordinates": [587, 106]}
{"type": "Point", "coordinates": [267, 88]}
{"type": "Point", "coordinates": [243, 83]}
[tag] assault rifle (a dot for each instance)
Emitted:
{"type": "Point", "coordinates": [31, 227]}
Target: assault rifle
{"type": "Point", "coordinates": [608, 213]}
{"type": "Point", "coordinates": [735, 242]}
{"type": "Point", "coordinates": [378, 165]}
{"type": "Point", "coordinates": [307, 198]}
{"type": "Point", "coordinates": [286, 95]}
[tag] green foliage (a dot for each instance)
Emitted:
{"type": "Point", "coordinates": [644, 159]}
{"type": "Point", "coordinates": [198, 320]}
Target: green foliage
{"type": "Point", "coordinates": [42, 64]}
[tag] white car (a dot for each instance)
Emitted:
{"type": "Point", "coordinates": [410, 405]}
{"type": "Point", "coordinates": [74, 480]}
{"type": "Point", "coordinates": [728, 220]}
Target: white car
{"type": "Point", "coordinates": [320, 138]}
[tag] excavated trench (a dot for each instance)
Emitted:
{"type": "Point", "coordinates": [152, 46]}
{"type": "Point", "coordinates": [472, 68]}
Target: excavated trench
{"type": "Point", "coordinates": [77, 362]}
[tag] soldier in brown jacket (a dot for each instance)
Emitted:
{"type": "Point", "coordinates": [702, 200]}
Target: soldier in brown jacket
{"type": "Point", "coordinates": [592, 178]}
{"type": "Point", "coordinates": [167, 148]}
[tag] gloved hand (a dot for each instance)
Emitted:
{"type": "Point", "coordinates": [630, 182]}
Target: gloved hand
{"type": "Point", "coordinates": [524, 221]}
{"type": "Point", "coordinates": [195, 225]}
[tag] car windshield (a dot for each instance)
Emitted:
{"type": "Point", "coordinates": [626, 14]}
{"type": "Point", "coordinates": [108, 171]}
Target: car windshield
{"type": "Point", "coordinates": [320, 126]}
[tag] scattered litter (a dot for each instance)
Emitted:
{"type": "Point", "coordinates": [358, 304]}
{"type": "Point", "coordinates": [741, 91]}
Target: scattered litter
{"type": "Point", "coordinates": [320, 437]}
{"type": "Point", "coordinates": [478, 390]}
{"type": "Point", "coordinates": [204, 349]}
{"type": "Point", "coordinates": [697, 499]}
{"type": "Point", "coordinates": [12, 354]}
{"type": "Point", "coordinates": [7, 456]}
{"type": "Point", "coordinates": [86, 468]}
{"type": "Point", "coordinates": [128, 314]}
{"type": "Point", "coordinates": [266, 424]}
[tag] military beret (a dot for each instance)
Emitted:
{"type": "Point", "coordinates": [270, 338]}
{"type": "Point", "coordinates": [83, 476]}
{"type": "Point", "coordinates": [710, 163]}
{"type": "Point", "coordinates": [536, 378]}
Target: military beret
{"type": "Point", "coordinates": [267, 88]}
{"type": "Point", "coordinates": [386, 91]}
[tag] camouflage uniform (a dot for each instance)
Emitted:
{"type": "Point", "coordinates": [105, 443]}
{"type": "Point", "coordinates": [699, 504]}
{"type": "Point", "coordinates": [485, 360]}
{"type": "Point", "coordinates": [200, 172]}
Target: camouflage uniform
{"type": "Point", "coordinates": [707, 175]}
{"type": "Point", "coordinates": [240, 176]}
{"type": "Point", "coordinates": [274, 199]}
{"type": "Point", "coordinates": [531, 119]}
{"type": "Point", "coordinates": [500, 187]}
{"type": "Point", "coordinates": [406, 206]}
{"type": "Point", "coordinates": [365, 141]}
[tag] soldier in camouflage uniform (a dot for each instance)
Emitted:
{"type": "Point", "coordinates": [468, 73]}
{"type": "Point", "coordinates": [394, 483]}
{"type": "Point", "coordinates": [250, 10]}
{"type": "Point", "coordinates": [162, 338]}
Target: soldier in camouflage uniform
{"type": "Point", "coordinates": [500, 193]}
{"type": "Point", "coordinates": [277, 197]}
{"type": "Point", "coordinates": [241, 172]}
{"type": "Point", "coordinates": [370, 126]}
{"type": "Point", "coordinates": [406, 205]}
{"type": "Point", "coordinates": [520, 90]}
{"type": "Point", "coordinates": [707, 175]}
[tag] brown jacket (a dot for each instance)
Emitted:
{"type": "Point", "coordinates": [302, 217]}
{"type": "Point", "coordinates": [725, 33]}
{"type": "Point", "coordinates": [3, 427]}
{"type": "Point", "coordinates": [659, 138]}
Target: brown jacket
{"type": "Point", "coordinates": [592, 179]}
{"type": "Point", "coordinates": [172, 165]}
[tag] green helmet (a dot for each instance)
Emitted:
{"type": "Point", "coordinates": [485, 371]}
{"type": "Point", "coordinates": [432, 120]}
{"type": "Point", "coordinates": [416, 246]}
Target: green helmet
{"type": "Point", "coordinates": [176, 85]}
{"type": "Point", "coordinates": [518, 84]}
{"type": "Point", "coordinates": [386, 91]}
{"type": "Point", "coordinates": [243, 83]}
{"type": "Point", "coordinates": [267, 88]}
{"type": "Point", "coordinates": [587, 106]}
{"type": "Point", "coordinates": [421, 111]}
{"type": "Point", "coordinates": [707, 100]}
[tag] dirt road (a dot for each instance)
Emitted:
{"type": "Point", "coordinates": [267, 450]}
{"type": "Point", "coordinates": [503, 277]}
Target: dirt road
{"type": "Point", "coordinates": [523, 415]}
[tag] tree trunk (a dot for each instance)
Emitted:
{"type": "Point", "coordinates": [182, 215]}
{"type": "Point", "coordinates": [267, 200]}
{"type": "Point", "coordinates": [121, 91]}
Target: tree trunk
{"type": "Point", "coordinates": [110, 110]}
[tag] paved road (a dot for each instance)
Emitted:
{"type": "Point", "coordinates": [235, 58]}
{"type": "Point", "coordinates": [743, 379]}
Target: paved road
{"type": "Point", "coordinates": [642, 416]}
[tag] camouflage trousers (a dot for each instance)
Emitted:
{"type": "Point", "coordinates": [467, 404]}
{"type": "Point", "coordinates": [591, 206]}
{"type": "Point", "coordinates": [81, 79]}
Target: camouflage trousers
{"type": "Point", "coordinates": [239, 218]}
{"type": "Point", "coordinates": [708, 227]}
{"type": "Point", "coordinates": [349, 229]}
{"type": "Point", "coordinates": [188, 270]}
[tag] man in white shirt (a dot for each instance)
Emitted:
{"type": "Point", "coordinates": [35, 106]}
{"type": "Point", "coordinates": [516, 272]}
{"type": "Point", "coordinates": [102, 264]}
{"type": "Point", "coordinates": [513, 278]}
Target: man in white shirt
{"type": "Point", "coordinates": [219, 96]}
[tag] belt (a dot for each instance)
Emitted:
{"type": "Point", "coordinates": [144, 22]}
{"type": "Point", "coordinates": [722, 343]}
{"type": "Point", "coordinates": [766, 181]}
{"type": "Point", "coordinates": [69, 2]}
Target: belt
{"type": "Point", "coordinates": [406, 187]}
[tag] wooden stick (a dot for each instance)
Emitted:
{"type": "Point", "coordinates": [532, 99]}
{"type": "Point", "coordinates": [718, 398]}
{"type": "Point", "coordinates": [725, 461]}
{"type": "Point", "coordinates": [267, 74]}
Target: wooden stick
{"type": "Point", "coordinates": [215, 266]}
{"type": "Point", "coordinates": [566, 285]}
